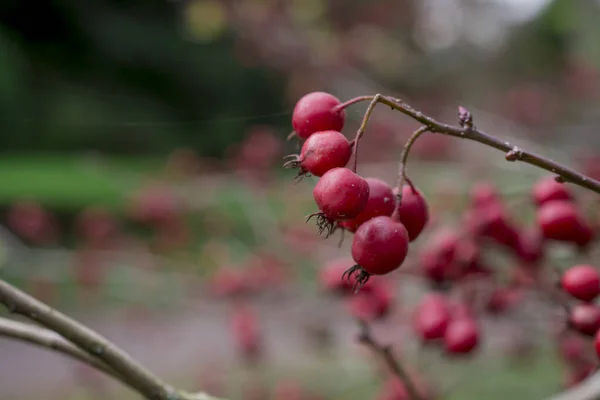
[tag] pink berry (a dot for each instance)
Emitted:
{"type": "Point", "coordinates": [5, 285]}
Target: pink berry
{"type": "Point", "coordinates": [381, 202]}
{"type": "Point", "coordinates": [431, 317]}
{"type": "Point", "coordinates": [582, 282]}
{"type": "Point", "coordinates": [330, 276]}
{"type": "Point", "coordinates": [462, 336]}
{"type": "Point", "coordinates": [560, 220]}
{"type": "Point", "coordinates": [322, 152]}
{"type": "Point", "coordinates": [484, 194]}
{"type": "Point", "coordinates": [438, 258]}
{"type": "Point", "coordinates": [413, 212]}
{"type": "Point", "coordinates": [585, 318]}
{"type": "Point", "coordinates": [341, 194]}
{"type": "Point", "coordinates": [380, 245]}
{"type": "Point", "coordinates": [316, 112]}
{"type": "Point", "coordinates": [548, 189]}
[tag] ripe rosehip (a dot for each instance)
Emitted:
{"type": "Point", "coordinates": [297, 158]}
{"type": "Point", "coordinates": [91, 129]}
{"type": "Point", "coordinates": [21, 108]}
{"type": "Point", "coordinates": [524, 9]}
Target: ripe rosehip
{"type": "Point", "coordinates": [559, 220]}
{"type": "Point", "coordinates": [437, 261]}
{"type": "Point", "coordinates": [462, 336]}
{"type": "Point", "coordinates": [484, 194]}
{"type": "Point", "coordinates": [316, 112]}
{"type": "Point", "coordinates": [341, 194]}
{"type": "Point", "coordinates": [413, 212]}
{"type": "Point", "coordinates": [582, 282]}
{"type": "Point", "coordinates": [380, 245]}
{"type": "Point", "coordinates": [381, 202]}
{"type": "Point", "coordinates": [321, 152]}
{"type": "Point", "coordinates": [548, 189]}
{"type": "Point", "coordinates": [372, 304]}
{"type": "Point", "coordinates": [330, 276]}
{"type": "Point", "coordinates": [585, 318]}
{"type": "Point", "coordinates": [431, 317]}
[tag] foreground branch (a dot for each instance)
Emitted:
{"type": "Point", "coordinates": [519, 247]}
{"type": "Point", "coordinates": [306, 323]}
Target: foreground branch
{"type": "Point", "coordinates": [53, 341]}
{"type": "Point", "coordinates": [96, 346]}
{"type": "Point", "coordinates": [385, 352]}
{"type": "Point", "coordinates": [468, 131]}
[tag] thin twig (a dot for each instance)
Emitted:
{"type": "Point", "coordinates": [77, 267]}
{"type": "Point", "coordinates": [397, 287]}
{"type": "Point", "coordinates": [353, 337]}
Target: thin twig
{"type": "Point", "coordinates": [385, 352]}
{"type": "Point", "coordinates": [363, 126]}
{"type": "Point", "coordinates": [51, 340]}
{"type": "Point", "coordinates": [133, 373]}
{"type": "Point", "coordinates": [512, 152]}
{"type": "Point", "coordinates": [402, 168]}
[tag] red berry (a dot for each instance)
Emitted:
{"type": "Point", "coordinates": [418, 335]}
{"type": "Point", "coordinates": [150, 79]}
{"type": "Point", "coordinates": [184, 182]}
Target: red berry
{"type": "Point", "coordinates": [381, 202]}
{"type": "Point", "coordinates": [413, 212]}
{"type": "Point", "coordinates": [559, 220]}
{"type": "Point", "coordinates": [581, 282]}
{"type": "Point", "coordinates": [316, 112]}
{"type": "Point", "coordinates": [341, 194]}
{"type": "Point", "coordinates": [597, 343]}
{"type": "Point", "coordinates": [247, 335]}
{"type": "Point", "coordinates": [530, 246]}
{"type": "Point", "coordinates": [323, 151]}
{"type": "Point", "coordinates": [372, 304]}
{"type": "Point", "coordinates": [380, 245]}
{"type": "Point", "coordinates": [548, 189]}
{"type": "Point", "coordinates": [484, 194]}
{"type": "Point", "coordinates": [330, 276]}
{"type": "Point", "coordinates": [438, 257]}
{"type": "Point", "coordinates": [462, 336]}
{"type": "Point", "coordinates": [572, 348]}
{"type": "Point", "coordinates": [585, 318]}
{"type": "Point", "coordinates": [431, 317]}
{"type": "Point", "coordinates": [502, 299]}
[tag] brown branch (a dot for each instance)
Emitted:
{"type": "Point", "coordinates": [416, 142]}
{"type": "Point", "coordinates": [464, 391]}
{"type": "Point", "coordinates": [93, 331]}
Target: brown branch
{"type": "Point", "coordinates": [470, 132]}
{"type": "Point", "coordinates": [51, 340]}
{"type": "Point", "coordinates": [385, 352]}
{"type": "Point", "coordinates": [132, 372]}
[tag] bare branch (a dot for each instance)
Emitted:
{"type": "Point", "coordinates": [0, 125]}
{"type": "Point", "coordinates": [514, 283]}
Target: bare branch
{"type": "Point", "coordinates": [468, 131]}
{"type": "Point", "coordinates": [385, 352]}
{"type": "Point", "coordinates": [51, 340]}
{"type": "Point", "coordinates": [132, 372]}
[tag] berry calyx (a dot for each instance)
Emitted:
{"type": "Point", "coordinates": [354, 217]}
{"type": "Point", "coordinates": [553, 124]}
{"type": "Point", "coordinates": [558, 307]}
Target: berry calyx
{"type": "Point", "coordinates": [585, 318]}
{"type": "Point", "coordinates": [582, 282]}
{"type": "Point", "coordinates": [340, 194]}
{"type": "Point", "coordinates": [548, 189]}
{"type": "Point", "coordinates": [560, 220]}
{"type": "Point", "coordinates": [462, 336]}
{"type": "Point", "coordinates": [413, 211]}
{"type": "Point", "coordinates": [381, 202]}
{"type": "Point", "coordinates": [321, 152]}
{"type": "Point", "coordinates": [316, 112]}
{"type": "Point", "coordinates": [380, 245]}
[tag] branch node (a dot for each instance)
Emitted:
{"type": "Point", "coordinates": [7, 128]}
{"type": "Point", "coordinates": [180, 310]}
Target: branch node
{"type": "Point", "coordinates": [514, 155]}
{"type": "Point", "coordinates": [465, 118]}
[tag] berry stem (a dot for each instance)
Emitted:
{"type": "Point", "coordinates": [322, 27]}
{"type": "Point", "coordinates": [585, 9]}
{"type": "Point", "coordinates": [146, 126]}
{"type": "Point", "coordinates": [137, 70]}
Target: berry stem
{"type": "Point", "coordinates": [402, 168]}
{"type": "Point", "coordinates": [352, 102]}
{"type": "Point", "coordinates": [385, 352]}
{"type": "Point", "coordinates": [472, 133]}
{"type": "Point", "coordinates": [363, 126]}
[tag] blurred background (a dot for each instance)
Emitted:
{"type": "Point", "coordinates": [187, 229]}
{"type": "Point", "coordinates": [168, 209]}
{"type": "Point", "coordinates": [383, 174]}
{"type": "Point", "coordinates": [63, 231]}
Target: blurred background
{"type": "Point", "coordinates": [141, 187]}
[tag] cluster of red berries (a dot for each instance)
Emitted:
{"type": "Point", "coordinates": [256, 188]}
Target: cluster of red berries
{"type": "Point", "coordinates": [383, 220]}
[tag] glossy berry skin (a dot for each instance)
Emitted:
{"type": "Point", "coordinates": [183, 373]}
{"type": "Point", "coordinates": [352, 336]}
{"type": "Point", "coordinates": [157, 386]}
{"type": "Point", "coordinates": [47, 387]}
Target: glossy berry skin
{"type": "Point", "coordinates": [462, 336]}
{"type": "Point", "coordinates": [581, 282]}
{"type": "Point", "coordinates": [431, 317]}
{"type": "Point", "coordinates": [585, 318]}
{"type": "Point", "coordinates": [315, 112]}
{"type": "Point", "coordinates": [413, 212]}
{"type": "Point", "coordinates": [382, 201]}
{"type": "Point", "coordinates": [341, 194]}
{"type": "Point", "coordinates": [380, 245]}
{"type": "Point", "coordinates": [324, 151]}
{"type": "Point", "coordinates": [548, 189]}
{"type": "Point", "coordinates": [560, 220]}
